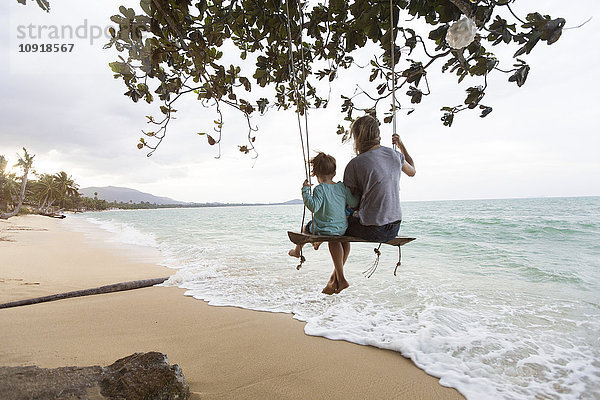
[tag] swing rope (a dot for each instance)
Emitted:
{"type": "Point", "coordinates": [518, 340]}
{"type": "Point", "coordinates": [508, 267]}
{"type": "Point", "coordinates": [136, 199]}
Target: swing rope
{"type": "Point", "coordinates": [305, 109]}
{"type": "Point", "coordinates": [304, 92]}
{"type": "Point", "coordinates": [393, 61]}
{"type": "Point", "coordinates": [292, 70]}
{"type": "Point", "coordinates": [371, 270]}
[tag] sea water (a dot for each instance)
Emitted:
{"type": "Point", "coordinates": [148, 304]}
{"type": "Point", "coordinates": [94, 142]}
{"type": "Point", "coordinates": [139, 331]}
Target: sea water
{"type": "Point", "coordinates": [500, 299]}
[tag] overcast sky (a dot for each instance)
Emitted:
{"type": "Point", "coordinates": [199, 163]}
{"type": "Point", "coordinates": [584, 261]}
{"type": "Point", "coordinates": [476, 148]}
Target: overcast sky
{"type": "Point", "coordinates": [540, 140]}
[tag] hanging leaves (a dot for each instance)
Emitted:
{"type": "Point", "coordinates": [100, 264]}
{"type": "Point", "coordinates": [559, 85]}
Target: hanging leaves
{"type": "Point", "coordinates": [173, 48]}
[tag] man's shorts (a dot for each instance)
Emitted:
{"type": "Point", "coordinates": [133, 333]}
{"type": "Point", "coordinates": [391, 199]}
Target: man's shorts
{"type": "Point", "coordinates": [373, 233]}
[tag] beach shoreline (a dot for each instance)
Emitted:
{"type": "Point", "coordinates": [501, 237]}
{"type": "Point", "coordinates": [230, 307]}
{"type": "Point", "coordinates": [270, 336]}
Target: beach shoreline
{"type": "Point", "coordinates": [224, 352]}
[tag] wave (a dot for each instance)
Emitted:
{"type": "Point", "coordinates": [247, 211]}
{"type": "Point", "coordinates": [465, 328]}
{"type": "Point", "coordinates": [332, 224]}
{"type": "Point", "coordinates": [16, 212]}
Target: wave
{"type": "Point", "coordinates": [124, 233]}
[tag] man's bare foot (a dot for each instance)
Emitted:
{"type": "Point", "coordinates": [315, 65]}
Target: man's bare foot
{"type": "Point", "coordinates": [294, 253]}
{"type": "Point", "coordinates": [341, 286]}
{"type": "Point", "coordinates": [316, 245]}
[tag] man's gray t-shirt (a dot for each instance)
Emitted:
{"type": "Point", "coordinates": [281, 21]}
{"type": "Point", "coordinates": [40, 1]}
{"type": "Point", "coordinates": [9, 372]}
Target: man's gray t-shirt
{"type": "Point", "coordinates": [376, 176]}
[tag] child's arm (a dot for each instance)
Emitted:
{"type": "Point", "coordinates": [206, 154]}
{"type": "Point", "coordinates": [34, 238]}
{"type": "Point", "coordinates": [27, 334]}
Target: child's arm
{"type": "Point", "coordinates": [314, 202]}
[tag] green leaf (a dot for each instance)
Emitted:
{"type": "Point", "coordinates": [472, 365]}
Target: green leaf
{"type": "Point", "coordinates": [439, 34]}
{"type": "Point", "coordinates": [128, 12]}
{"type": "Point", "coordinates": [448, 118]}
{"type": "Point", "coordinates": [415, 95]}
{"type": "Point", "coordinates": [474, 95]}
{"type": "Point", "coordinates": [373, 75]}
{"type": "Point", "coordinates": [486, 111]}
{"type": "Point", "coordinates": [43, 4]}
{"type": "Point", "coordinates": [520, 75]}
{"type": "Point", "coordinates": [147, 7]}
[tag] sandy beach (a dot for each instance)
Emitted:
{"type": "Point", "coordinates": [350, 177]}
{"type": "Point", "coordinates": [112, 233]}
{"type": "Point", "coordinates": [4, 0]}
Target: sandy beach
{"type": "Point", "coordinates": [225, 352]}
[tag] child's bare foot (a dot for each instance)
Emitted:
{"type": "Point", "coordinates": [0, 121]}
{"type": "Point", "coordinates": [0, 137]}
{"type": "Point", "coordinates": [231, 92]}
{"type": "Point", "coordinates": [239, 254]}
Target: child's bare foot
{"type": "Point", "coordinates": [316, 245]}
{"type": "Point", "coordinates": [332, 285]}
{"type": "Point", "coordinates": [341, 286]}
{"type": "Point", "coordinates": [329, 289]}
{"type": "Point", "coordinates": [294, 253]}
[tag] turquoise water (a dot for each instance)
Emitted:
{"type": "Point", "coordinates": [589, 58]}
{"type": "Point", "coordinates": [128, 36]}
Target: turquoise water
{"type": "Point", "coordinates": [498, 298]}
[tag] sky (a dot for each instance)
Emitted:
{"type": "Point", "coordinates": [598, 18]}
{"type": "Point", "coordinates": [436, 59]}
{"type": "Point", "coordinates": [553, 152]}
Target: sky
{"type": "Point", "coordinates": [67, 109]}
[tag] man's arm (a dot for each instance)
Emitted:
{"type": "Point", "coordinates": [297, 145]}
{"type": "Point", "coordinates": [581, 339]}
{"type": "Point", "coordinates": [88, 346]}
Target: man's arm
{"type": "Point", "coordinates": [409, 165]}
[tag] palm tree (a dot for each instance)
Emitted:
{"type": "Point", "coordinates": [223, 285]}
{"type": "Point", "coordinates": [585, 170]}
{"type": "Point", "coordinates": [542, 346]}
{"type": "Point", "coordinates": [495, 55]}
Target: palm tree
{"type": "Point", "coordinates": [25, 162]}
{"type": "Point", "coordinates": [66, 187]}
{"type": "Point", "coordinates": [11, 188]}
{"type": "Point", "coordinates": [3, 178]}
{"type": "Point", "coordinates": [3, 164]}
{"type": "Point", "coordinates": [46, 191]}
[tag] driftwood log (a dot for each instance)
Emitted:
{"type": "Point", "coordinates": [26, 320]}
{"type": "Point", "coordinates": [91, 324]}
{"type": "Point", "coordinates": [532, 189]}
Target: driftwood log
{"type": "Point", "coordinates": [117, 287]}
{"type": "Point", "coordinates": [53, 215]}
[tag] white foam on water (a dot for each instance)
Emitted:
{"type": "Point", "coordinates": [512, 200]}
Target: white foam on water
{"type": "Point", "coordinates": [124, 233]}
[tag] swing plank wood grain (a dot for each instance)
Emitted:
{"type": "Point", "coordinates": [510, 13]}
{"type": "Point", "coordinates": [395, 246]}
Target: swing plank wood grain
{"type": "Point", "coordinates": [303, 238]}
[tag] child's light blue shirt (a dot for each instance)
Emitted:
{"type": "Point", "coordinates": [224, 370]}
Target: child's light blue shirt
{"type": "Point", "coordinates": [328, 203]}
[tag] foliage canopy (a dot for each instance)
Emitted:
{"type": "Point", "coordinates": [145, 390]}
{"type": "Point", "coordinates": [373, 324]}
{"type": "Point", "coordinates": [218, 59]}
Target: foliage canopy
{"type": "Point", "coordinates": [175, 48]}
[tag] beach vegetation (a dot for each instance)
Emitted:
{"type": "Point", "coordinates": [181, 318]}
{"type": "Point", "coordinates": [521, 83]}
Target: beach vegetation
{"type": "Point", "coordinates": [46, 194]}
{"type": "Point", "coordinates": [9, 186]}
{"type": "Point", "coordinates": [13, 193]}
{"type": "Point", "coordinates": [67, 188]}
{"type": "Point", "coordinates": [51, 194]}
{"type": "Point", "coordinates": [44, 191]}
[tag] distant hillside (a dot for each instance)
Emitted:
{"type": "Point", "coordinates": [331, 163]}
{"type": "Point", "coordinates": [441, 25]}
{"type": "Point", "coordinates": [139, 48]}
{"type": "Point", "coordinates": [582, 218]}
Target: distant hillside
{"type": "Point", "coordinates": [125, 195]}
{"type": "Point", "coordinates": [295, 201]}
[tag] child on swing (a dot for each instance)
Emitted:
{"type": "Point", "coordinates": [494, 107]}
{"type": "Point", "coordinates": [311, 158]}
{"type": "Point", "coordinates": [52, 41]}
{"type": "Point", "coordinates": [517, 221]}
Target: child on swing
{"type": "Point", "coordinates": [328, 203]}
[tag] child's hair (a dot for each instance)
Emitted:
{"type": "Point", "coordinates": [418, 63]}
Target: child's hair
{"type": "Point", "coordinates": [365, 132]}
{"type": "Point", "coordinates": [322, 165]}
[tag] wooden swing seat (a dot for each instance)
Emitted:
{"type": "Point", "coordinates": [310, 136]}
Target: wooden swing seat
{"type": "Point", "coordinates": [303, 238]}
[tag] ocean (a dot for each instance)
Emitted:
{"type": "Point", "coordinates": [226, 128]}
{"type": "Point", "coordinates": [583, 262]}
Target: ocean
{"type": "Point", "coordinates": [500, 299]}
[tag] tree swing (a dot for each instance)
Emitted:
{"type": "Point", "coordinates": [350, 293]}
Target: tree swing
{"type": "Point", "coordinates": [303, 238]}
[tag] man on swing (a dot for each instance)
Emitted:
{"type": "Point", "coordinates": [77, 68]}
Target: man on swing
{"type": "Point", "coordinates": [374, 177]}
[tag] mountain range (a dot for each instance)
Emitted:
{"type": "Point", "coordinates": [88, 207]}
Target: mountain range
{"type": "Point", "coordinates": [127, 195]}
